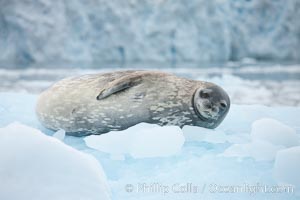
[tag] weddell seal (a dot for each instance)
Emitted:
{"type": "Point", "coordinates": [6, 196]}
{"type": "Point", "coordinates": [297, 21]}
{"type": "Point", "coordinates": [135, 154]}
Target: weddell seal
{"type": "Point", "coordinates": [99, 103]}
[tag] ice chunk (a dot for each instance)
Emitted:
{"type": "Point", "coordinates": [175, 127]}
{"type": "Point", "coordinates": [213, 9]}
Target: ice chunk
{"type": "Point", "coordinates": [140, 141]}
{"type": "Point", "coordinates": [60, 134]}
{"type": "Point", "coordinates": [287, 165]}
{"type": "Point", "coordinates": [117, 157]}
{"type": "Point", "coordinates": [36, 166]}
{"type": "Point", "coordinates": [157, 142]}
{"type": "Point", "coordinates": [116, 143]}
{"type": "Point", "coordinates": [194, 133]}
{"type": "Point", "coordinates": [275, 132]}
{"type": "Point", "coordinates": [268, 136]}
{"type": "Point", "coordinates": [259, 150]}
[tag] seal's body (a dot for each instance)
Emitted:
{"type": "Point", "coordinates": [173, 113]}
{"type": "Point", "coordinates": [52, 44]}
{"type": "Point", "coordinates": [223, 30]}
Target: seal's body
{"type": "Point", "coordinates": [99, 103]}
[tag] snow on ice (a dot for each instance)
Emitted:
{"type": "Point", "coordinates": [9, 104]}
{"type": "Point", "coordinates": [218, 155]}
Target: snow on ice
{"type": "Point", "coordinates": [36, 166]}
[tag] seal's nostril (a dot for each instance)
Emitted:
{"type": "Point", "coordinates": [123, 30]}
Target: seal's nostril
{"type": "Point", "coordinates": [208, 106]}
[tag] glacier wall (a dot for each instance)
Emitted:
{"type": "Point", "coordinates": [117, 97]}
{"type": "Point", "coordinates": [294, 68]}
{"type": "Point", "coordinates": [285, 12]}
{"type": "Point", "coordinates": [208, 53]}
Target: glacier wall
{"type": "Point", "coordinates": [96, 32]}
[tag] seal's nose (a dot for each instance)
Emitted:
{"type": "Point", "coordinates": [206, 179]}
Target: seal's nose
{"type": "Point", "coordinates": [207, 105]}
{"type": "Point", "coordinates": [215, 110]}
{"type": "Point", "coordinates": [211, 109]}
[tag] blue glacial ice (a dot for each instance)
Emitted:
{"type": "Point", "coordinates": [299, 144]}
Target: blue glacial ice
{"type": "Point", "coordinates": [268, 136]}
{"type": "Point", "coordinates": [91, 33]}
{"type": "Point", "coordinates": [201, 168]}
{"type": "Point", "coordinates": [286, 163]}
{"type": "Point", "coordinates": [36, 166]}
{"type": "Point", "coordinates": [140, 141]}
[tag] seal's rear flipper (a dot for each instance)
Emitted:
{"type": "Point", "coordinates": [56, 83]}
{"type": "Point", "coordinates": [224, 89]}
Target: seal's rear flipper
{"type": "Point", "coordinates": [120, 85]}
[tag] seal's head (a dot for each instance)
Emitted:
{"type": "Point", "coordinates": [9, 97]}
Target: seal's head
{"type": "Point", "coordinates": [211, 105]}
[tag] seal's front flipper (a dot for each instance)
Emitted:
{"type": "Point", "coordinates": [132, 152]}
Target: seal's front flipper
{"type": "Point", "coordinates": [120, 85]}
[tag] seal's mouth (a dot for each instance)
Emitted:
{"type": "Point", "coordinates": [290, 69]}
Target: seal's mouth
{"type": "Point", "coordinates": [205, 115]}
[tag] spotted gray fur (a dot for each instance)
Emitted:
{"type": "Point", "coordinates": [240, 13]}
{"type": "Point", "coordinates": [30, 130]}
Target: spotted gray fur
{"type": "Point", "coordinates": [89, 104]}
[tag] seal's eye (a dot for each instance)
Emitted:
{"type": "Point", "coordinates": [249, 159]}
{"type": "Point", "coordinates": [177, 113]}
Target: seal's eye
{"type": "Point", "coordinates": [223, 105]}
{"type": "Point", "coordinates": [204, 94]}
